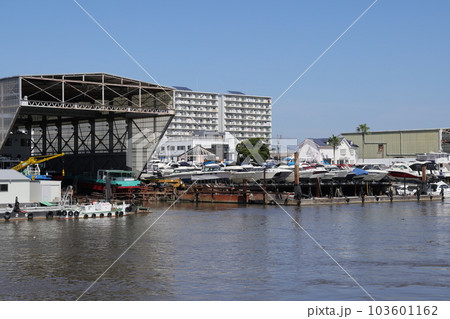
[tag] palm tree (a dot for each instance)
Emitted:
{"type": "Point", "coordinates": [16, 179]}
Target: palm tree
{"type": "Point", "coordinates": [334, 141]}
{"type": "Point", "coordinates": [364, 130]}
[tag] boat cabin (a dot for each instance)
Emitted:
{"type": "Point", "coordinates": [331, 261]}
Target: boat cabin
{"type": "Point", "coordinates": [115, 175]}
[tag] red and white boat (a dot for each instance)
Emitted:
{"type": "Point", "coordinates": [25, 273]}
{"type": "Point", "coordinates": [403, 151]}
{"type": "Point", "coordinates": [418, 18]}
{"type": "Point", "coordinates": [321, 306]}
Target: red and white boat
{"type": "Point", "coordinates": [402, 171]}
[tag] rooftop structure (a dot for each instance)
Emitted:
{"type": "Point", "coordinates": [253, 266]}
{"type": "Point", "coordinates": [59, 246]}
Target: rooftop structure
{"type": "Point", "coordinates": [98, 120]}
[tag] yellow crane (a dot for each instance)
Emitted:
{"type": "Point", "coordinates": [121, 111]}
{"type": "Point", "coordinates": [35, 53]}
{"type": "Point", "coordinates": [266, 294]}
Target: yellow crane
{"type": "Point", "coordinates": [35, 160]}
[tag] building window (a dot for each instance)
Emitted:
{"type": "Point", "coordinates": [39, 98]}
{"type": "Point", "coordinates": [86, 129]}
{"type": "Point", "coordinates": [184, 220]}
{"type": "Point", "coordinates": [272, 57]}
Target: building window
{"type": "Point", "coordinates": [172, 148]}
{"type": "Point", "coordinates": [162, 148]}
{"type": "Point", "coordinates": [180, 148]}
{"type": "Point", "coordinates": [3, 187]}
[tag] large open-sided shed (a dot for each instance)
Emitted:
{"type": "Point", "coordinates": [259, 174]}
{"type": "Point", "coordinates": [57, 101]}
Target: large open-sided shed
{"type": "Point", "coordinates": [98, 120]}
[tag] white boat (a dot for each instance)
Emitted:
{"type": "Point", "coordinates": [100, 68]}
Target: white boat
{"type": "Point", "coordinates": [95, 209]}
{"type": "Point", "coordinates": [247, 172]}
{"type": "Point", "coordinates": [431, 168]}
{"type": "Point", "coordinates": [184, 173]}
{"type": "Point", "coordinates": [441, 161]}
{"type": "Point", "coordinates": [279, 174]}
{"type": "Point", "coordinates": [307, 171]}
{"type": "Point", "coordinates": [402, 171]}
{"type": "Point", "coordinates": [211, 172]}
{"type": "Point", "coordinates": [438, 189]}
{"type": "Point", "coordinates": [335, 172]}
{"type": "Point", "coordinates": [153, 169]}
{"type": "Point", "coordinates": [406, 189]}
{"type": "Point", "coordinates": [378, 170]}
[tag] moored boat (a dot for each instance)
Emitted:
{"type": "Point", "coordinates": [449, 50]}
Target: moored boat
{"type": "Point", "coordinates": [212, 172]}
{"type": "Point", "coordinates": [438, 189]}
{"type": "Point", "coordinates": [401, 171]}
{"type": "Point", "coordinates": [249, 173]}
{"type": "Point", "coordinates": [96, 209]}
{"type": "Point", "coordinates": [120, 181]}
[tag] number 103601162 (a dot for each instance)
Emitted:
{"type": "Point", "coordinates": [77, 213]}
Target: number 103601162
{"type": "Point", "coordinates": [416, 310]}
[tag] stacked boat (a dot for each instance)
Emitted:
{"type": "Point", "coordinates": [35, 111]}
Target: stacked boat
{"type": "Point", "coordinates": [308, 172]}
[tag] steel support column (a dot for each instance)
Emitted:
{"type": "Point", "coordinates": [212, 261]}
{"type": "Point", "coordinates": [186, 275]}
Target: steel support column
{"type": "Point", "coordinates": [129, 161]}
{"type": "Point", "coordinates": [43, 127]}
{"type": "Point", "coordinates": [59, 136]}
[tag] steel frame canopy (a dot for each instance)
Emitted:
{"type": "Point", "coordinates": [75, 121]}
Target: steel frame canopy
{"type": "Point", "coordinates": [98, 120]}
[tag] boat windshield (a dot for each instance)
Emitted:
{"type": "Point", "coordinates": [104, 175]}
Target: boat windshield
{"type": "Point", "coordinates": [211, 168]}
{"type": "Point", "coordinates": [103, 174]}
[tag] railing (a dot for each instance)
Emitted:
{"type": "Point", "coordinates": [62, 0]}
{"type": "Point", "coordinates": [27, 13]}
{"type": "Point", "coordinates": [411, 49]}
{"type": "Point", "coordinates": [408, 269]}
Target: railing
{"type": "Point", "coordinates": [94, 107]}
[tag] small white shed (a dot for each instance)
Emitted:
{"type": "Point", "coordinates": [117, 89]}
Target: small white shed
{"type": "Point", "coordinates": [45, 191]}
{"type": "Point", "coordinates": [12, 184]}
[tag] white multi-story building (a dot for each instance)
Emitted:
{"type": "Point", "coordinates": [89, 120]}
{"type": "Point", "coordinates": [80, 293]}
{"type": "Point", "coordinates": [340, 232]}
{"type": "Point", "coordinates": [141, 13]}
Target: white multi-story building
{"type": "Point", "coordinates": [194, 111]}
{"type": "Point", "coordinates": [244, 116]}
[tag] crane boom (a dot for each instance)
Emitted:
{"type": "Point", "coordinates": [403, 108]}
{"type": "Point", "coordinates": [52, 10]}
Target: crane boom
{"type": "Point", "coordinates": [35, 160]}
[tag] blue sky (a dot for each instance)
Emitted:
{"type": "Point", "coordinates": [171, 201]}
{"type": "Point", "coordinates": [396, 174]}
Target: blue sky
{"type": "Point", "coordinates": [391, 70]}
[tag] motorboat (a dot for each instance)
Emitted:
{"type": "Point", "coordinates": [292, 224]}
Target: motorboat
{"type": "Point", "coordinates": [438, 189]}
{"type": "Point", "coordinates": [406, 190]}
{"type": "Point", "coordinates": [431, 168]}
{"type": "Point", "coordinates": [153, 169]}
{"type": "Point", "coordinates": [211, 172]}
{"type": "Point", "coordinates": [277, 174]}
{"type": "Point", "coordinates": [402, 171]}
{"type": "Point", "coordinates": [307, 171]}
{"type": "Point", "coordinates": [441, 161]}
{"type": "Point", "coordinates": [184, 173]}
{"type": "Point", "coordinates": [248, 172]}
{"type": "Point", "coordinates": [375, 171]}
{"type": "Point", "coordinates": [335, 173]}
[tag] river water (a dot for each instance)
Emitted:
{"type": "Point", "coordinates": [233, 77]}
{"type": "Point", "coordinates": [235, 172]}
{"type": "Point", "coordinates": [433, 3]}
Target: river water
{"type": "Point", "coordinates": [398, 251]}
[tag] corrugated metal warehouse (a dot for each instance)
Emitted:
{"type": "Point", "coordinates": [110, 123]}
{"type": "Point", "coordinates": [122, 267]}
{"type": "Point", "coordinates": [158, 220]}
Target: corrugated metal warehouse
{"type": "Point", "coordinates": [400, 144]}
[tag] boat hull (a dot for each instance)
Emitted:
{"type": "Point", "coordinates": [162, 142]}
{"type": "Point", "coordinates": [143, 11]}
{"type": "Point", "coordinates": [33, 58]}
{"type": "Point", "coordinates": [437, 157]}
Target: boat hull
{"type": "Point", "coordinates": [400, 176]}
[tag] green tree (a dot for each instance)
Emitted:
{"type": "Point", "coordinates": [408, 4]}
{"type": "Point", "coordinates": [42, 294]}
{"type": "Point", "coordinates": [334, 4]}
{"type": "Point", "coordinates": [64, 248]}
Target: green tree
{"type": "Point", "coordinates": [364, 130]}
{"type": "Point", "coordinates": [334, 141]}
{"type": "Point", "coordinates": [254, 148]}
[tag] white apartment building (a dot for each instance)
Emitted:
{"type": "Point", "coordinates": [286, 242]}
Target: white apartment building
{"type": "Point", "coordinates": [244, 116]}
{"type": "Point", "coordinates": [194, 111]}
